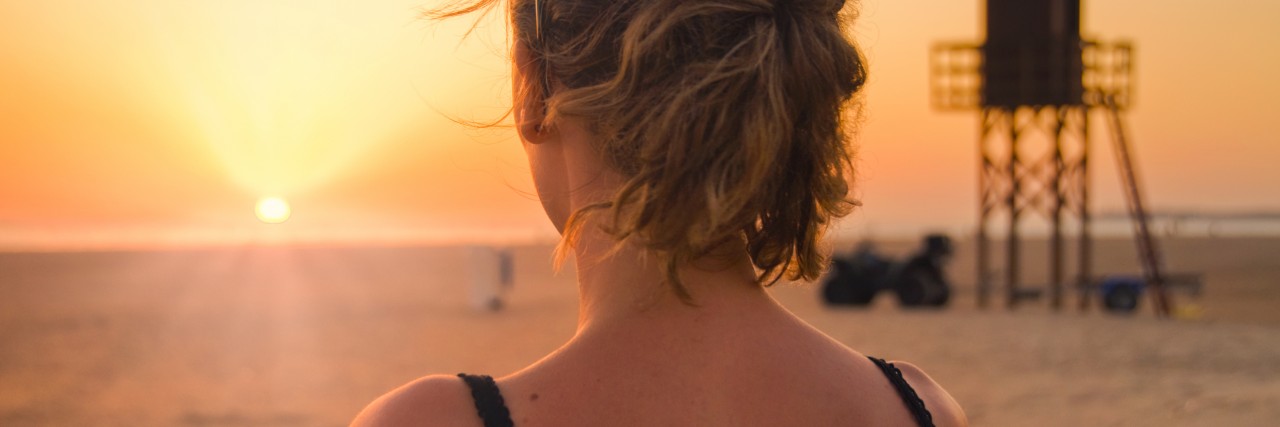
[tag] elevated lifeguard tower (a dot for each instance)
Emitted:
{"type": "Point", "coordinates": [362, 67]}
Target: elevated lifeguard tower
{"type": "Point", "coordinates": [1035, 82]}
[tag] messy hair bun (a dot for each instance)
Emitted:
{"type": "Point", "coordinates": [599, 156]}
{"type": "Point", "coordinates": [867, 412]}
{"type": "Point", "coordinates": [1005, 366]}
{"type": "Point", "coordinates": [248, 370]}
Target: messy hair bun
{"type": "Point", "coordinates": [726, 118]}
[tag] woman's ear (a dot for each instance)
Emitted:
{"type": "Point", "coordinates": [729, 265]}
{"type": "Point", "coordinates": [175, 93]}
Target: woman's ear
{"type": "Point", "coordinates": [529, 123]}
{"type": "Point", "coordinates": [530, 112]}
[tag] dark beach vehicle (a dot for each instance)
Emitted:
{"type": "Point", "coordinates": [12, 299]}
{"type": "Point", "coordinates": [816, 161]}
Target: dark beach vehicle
{"type": "Point", "coordinates": [918, 281]}
{"type": "Point", "coordinates": [1122, 293]}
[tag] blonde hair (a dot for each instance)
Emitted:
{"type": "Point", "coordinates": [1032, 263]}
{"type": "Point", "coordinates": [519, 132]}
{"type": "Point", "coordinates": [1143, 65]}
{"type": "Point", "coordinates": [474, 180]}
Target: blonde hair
{"type": "Point", "coordinates": [728, 119]}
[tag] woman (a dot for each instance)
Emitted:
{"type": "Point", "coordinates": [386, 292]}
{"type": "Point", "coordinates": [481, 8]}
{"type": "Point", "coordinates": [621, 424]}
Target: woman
{"type": "Point", "coordinates": [690, 152]}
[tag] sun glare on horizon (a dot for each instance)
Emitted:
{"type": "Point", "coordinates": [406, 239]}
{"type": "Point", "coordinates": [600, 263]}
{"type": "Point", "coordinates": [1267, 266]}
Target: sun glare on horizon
{"type": "Point", "coordinates": [273, 210]}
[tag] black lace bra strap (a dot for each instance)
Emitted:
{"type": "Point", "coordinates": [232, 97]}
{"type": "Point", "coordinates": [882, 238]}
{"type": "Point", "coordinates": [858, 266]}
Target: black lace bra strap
{"type": "Point", "coordinates": [908, 394]}
{"type": "Point", "coordinates": [489, 403]}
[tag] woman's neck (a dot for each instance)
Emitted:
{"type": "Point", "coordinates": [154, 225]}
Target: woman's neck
{"type": "Point", "coordinates": [618, 286]}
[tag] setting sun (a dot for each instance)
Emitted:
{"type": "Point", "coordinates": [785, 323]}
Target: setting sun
{"type": "Point", "coordinates": [273, 210]}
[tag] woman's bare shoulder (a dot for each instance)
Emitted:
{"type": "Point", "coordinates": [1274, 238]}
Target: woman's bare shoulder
{"type": "Point", "coordinates": [945, 410]}
{"type": "Point", "coordinates": [436, 400]}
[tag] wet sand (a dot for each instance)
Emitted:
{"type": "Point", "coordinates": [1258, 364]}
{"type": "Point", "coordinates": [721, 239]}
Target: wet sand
{"type": "Point", "coordinates": [279, 336]}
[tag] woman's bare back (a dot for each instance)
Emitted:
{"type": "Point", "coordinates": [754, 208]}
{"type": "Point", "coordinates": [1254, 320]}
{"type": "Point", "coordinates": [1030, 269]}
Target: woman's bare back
{"type": "Point", "coordinates": [752, 373]}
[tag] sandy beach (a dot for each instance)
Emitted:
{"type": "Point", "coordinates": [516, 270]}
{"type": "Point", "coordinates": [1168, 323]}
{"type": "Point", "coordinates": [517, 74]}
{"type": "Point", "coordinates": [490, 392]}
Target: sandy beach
{"type": "Point", "coordinates": [292, 336]}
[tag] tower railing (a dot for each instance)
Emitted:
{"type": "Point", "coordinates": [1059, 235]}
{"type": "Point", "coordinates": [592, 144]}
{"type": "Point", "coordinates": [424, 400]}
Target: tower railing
{"type": "Point", "coordinates": [955, 78]}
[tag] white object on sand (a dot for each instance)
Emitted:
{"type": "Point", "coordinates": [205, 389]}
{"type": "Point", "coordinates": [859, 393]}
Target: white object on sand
{"type": "Point", "coordinates": [486, 277]}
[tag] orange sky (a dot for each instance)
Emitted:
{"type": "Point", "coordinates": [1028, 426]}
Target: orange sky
{"type": "Point", "coordinates": [158, 122]}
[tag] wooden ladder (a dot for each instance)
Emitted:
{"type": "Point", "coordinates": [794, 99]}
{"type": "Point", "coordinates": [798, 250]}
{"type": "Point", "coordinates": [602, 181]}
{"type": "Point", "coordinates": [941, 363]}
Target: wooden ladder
{"type": "Point", "coordinates": [1147, 251]}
